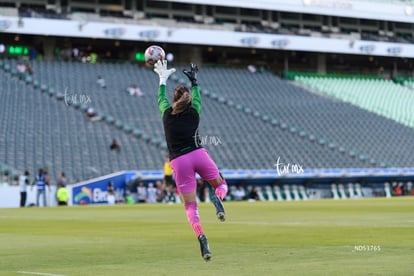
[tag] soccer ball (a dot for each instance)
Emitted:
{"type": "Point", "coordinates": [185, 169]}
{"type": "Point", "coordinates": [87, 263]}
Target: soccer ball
{"type": "Point", "coordinates": [153, 54]}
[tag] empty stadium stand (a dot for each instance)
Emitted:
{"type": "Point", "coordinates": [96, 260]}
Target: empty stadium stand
{"type": "Point", "coordinates": [379, 96]}
{"type": "Point", "coordinates": [254, 118]}
{"type": "Point", "coordinates": [335, 124]}
{"type": "Point", "coordinates": [39, 130]}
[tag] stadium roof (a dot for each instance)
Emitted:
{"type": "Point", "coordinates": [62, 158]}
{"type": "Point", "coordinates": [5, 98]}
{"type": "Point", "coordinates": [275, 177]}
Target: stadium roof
{"type": "Point", "coordinates": [398, 11]}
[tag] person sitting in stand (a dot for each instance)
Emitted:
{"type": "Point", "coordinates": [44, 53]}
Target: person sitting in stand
{"type": "Point", "coordinates": [115, 145]}
{"type": "Point", "coordinates": [134, 90]}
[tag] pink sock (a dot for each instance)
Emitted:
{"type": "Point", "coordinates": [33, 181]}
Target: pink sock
{"type": "Point", "coordinates": [221, 189]}
{"type": "Point", "coordinates": [194, 218]}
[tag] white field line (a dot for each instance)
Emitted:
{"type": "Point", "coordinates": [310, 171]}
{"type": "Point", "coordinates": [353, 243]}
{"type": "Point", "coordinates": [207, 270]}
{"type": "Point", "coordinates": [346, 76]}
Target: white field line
{"type": "Point", "coordinates": [38, 273]}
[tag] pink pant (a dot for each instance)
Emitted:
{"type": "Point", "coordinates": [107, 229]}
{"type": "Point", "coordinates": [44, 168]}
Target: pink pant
{"type": "Point", "coordinates": [185, 167]}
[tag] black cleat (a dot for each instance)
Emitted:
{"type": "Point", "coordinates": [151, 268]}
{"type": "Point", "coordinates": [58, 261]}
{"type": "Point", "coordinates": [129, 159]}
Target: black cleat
{"type": "Point", "coordinates": [221, 214]}
{"type": "Point", "coordinates": [205, 249]}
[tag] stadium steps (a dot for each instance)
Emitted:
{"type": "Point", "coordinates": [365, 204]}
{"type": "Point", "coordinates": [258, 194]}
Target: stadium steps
{"type": "Point", "coordinates": [75, 88]}
{"type": "Point", "coordinates": [257, 117]}
{"type": "Point", "coordinates": [6, 168]}
{"type": "Point", "coordinates": [358, 132]}
{"type": "Point", "coordinates": [323, 144]}
{"type": "Point", "coordinates": [382, 97]}
{"type": "Point", "coordinates": [60, 137]}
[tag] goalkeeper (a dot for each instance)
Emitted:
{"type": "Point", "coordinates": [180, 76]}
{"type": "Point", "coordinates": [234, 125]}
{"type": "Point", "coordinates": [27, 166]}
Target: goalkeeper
{"type": "Point", "coordinates": [187, 157]}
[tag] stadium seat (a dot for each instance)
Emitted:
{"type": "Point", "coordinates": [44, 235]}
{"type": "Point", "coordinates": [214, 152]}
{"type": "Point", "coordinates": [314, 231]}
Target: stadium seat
{"type": "Point", "coordinates": [287, 120]}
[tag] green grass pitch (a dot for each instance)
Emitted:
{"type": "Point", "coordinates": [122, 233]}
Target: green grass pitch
{"type": "Point", "coordinates": [318, 237]}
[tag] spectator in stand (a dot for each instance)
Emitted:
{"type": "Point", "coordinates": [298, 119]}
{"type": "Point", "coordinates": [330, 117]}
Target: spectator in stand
{"type": "Point", "coordinates": [101, 81]}
{"type": "Point", "coordinates": [32, 53]}
{"type": "Point", "coordinates": [115, 145]}
{"type": "Point", "coordinates": [61, 180]}
{"type": "Point", "coordinates": [47, 177]}
{"type": "Point", "coordinates": [397, 190]}
{"type": "Point", "coordinates": [253, 195]}
{"type": "Point", "coordinates": [15, 180]}
{"type": "Point", "coordinates": [6, 178]}
{"type": "Point", "coordinates": [129, 199]}
{"type": "Point", "coordinates": [239, 193]}
{"type": "Point", "coordinates": [170, 194]}
{"type": "Point", "coordinates": [141, 193]}
{"type": "Point", "coordinates": [151, 193]}
{"type": "Point", "coordinates": [21, 69]}
{"type": "Point", "coordinates": [161, 192]}
{"type": "Point", "coordinates": [110, 193]}
{"type": "Point", "coordinates": [92, 115]}
{"type": "Point", "coordinates": [75, 54]}
{"type": "Point", "coordinates": [23, 182]}
{"type": "Point", "coordinates": [251, 68]}
{"type": "Point", "coordinates": [29, 69]}
{"type": "Point", "coordinates": [134, 90]}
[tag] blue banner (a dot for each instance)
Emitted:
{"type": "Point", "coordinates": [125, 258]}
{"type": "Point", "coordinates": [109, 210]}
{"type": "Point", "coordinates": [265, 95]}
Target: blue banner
{"type": "Point", "coordinates": [95, 190]}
